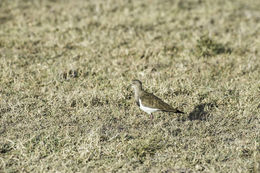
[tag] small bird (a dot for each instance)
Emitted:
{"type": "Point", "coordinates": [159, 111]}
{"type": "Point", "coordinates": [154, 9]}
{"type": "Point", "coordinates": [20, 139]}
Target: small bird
{"type": "Point", "coordinates": [149, 102]}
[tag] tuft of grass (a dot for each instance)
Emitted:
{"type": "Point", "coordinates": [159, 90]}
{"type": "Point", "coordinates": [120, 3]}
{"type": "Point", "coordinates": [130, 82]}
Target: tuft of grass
{"type": "Point", "coordinates": [143, 148]}
{"type": "Point", "coordinates": [207, 47]}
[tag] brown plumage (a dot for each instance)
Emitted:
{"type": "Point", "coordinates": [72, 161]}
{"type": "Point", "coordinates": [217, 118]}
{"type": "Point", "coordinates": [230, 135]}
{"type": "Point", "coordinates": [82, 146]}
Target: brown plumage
{"type": "Point", "coordinates": [149, 102]}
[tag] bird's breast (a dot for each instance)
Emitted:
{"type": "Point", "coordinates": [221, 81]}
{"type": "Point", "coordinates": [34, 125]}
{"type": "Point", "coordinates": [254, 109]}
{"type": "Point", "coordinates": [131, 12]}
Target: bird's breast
{"type": "Point", "coordinates": [147, 109]}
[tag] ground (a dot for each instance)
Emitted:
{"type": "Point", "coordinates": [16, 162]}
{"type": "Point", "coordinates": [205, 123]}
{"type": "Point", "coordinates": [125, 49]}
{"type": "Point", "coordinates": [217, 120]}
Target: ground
{"type": "Point", "coordinates": [65, 71]}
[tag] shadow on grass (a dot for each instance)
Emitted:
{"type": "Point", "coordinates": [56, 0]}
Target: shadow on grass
{"type": "Point", "coordinates": [199, 112]}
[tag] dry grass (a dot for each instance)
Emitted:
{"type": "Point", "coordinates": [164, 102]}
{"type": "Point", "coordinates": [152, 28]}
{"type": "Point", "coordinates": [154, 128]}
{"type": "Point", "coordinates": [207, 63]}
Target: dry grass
{"type": "Point", "coordinates": [65, 68]}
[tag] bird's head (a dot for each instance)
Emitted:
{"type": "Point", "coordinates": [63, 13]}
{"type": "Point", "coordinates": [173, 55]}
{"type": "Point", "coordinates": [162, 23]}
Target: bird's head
{"type": "Point", "coordinates": [136, 85]}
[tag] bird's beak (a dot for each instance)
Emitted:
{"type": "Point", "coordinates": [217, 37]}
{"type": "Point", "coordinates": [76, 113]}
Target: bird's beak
{"type": "Point", "coordinates": [128, 87]}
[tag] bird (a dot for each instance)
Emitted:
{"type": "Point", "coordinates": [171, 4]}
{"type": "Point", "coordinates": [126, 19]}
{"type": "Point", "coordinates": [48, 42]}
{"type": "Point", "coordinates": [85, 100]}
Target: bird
{"type": "Point", "coordinates": [148, 102]}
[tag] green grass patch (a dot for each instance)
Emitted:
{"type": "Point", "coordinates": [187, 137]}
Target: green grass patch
{"type": "Point", "coordinates": [207, 47]}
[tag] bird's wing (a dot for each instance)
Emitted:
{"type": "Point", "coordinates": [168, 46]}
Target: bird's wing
{"type": "Point", "coordinates": [150, 100]}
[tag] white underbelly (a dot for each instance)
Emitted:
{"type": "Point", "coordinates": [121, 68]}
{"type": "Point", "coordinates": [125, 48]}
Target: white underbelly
{"type": "Point", "coordinates": [147, 109]}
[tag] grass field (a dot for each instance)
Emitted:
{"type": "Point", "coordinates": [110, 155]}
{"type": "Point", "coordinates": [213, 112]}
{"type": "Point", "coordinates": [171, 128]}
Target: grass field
{"type": "Point", "coordinates": [65, 100]}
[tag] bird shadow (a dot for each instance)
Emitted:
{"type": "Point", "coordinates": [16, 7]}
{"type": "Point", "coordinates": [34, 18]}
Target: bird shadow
{"type": "Point", "coordinates": [199, 112]}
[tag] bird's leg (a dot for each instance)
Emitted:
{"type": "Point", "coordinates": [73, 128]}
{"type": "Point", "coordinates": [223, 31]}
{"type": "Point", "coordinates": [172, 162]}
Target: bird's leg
{"type": "Point", "coordinates": [151, 115]}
